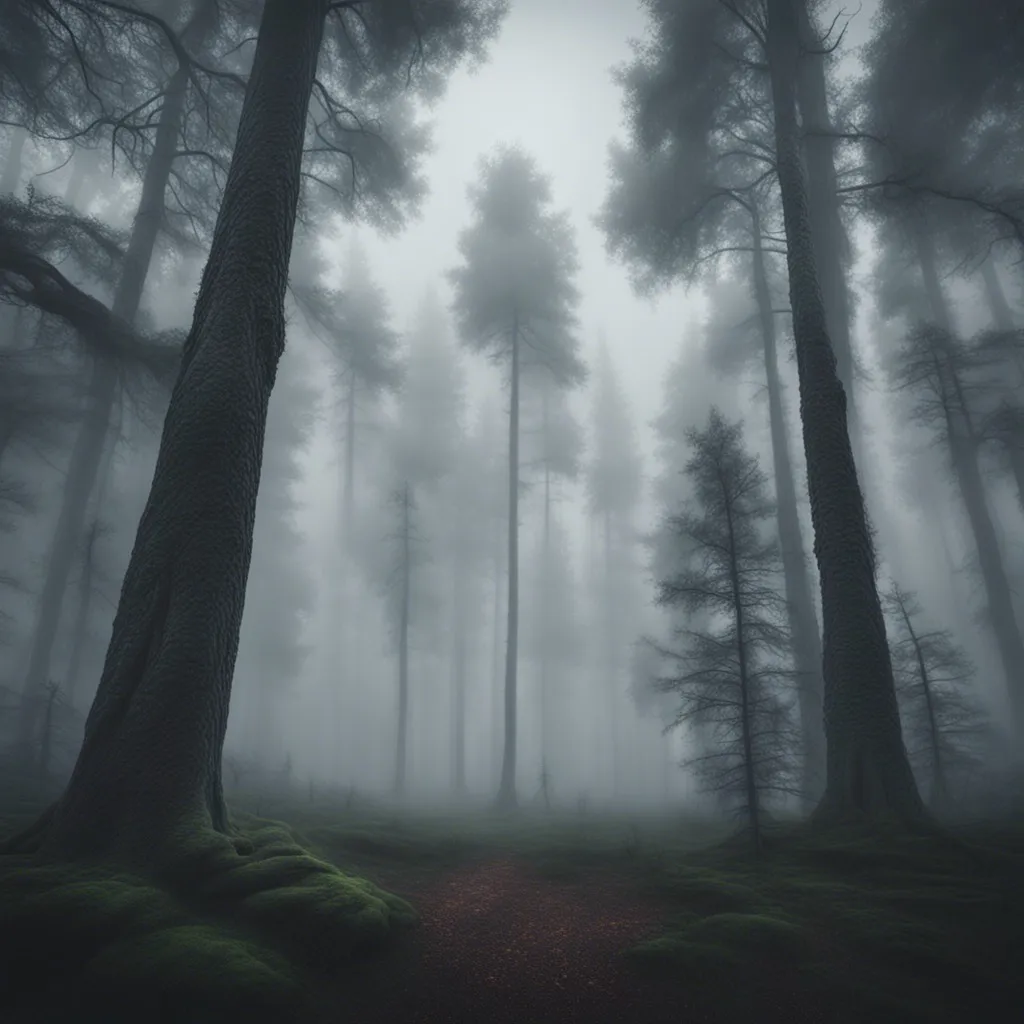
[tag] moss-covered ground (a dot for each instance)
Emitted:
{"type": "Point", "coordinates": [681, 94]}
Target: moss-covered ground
{"type": "Point", "coordinates": [842, 928]}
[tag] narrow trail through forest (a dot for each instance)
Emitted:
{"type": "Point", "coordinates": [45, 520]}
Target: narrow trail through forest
{"type": "Point", "coordinates": [499, 943]}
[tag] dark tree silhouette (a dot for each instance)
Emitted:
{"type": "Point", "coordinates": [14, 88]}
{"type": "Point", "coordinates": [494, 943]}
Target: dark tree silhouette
{"type": "Point", "coordinates": [148, 777]}
{"type": "Point", "coordinates": [731, 674]}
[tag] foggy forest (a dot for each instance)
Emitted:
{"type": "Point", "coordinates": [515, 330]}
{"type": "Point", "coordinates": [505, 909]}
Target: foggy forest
{"type": "Point", "coordinates": [511, 511]}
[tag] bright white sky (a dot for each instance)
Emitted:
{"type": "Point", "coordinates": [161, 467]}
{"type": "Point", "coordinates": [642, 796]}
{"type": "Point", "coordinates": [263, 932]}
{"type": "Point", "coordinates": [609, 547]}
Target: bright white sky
{"type": "Point", "coordinates": [548, 87]}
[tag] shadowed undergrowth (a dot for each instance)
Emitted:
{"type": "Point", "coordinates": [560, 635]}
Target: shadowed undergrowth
{"type": "Point", "coordinates": [229, 933]}
{"type": "Point", "coordinates": [845, 927]}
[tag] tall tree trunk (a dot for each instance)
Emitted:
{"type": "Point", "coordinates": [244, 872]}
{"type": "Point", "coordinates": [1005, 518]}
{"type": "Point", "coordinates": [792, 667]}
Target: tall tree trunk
{"type": "Point", "coordinates": [401, 749]}
{"type": "Point", "coordinates": [497, 722]}
{"type": "Point", "coordinates": [11, 179]}
{"type": "Point", "coordinates": [803, 619]}
{"type": "Point", "coordinates": [831, 245]}
{"type": "Point", "coordinates": [87, 452]}
{"type": "Point", "coordinates": [746, 702]}
{"type": "Point", "coordinates": [507, 784]}
{"type": "Point", "coordinates": [964, 450]}
{"type": "Point", "coordinates": [545, 601]}
{"type": "Point", "coordinates": [148, 776]}
{"type": "Point", "coordinates": [867, 767]}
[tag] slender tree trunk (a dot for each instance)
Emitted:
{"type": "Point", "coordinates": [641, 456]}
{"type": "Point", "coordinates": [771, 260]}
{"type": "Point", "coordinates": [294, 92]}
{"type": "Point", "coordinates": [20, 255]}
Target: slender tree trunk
{"type": "Point", "coordinates": [611, 658]}
{"type": "Point", "coordinates": [803, 619]}
{"type": "Point", "coordinates": [545, 602]}
{"type": "Point", "coordinates": [148, 776]}
{"type": "Point", "coordinates": [11, 180]}
{"type": "Point", "coordinates": [831, 245]}
{"type": "Point", "coordinates": [401, 750]}
{"type": "Point", "coordinates": [460, 610]}
{"type": "Point", "coordinates": [498, 723]}
{"type": "Point", "coordinates": [867, 767]}
{"type": "Point", "coordinates": [940, 789]}
{"type": "Point", "coordinates": [507, 785]}
{"type": "Point", "coordinates": [87, 452]}
{"type": "Point", "coordinates": [746, 702]}
{"type": "Point", "coordinates": [964, 451]}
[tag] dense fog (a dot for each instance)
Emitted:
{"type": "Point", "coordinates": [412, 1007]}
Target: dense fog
{"type": "Point", "coordinates": [653, 356]}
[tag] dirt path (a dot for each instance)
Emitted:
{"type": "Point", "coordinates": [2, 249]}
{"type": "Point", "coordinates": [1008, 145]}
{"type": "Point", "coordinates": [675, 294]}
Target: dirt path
{"type": "Point", "coordinates": [498, 944]}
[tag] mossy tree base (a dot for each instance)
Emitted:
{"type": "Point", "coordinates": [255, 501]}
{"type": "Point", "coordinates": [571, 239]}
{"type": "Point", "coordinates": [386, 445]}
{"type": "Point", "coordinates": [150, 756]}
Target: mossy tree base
{"type": "Point", "coordinates": [231, 926]}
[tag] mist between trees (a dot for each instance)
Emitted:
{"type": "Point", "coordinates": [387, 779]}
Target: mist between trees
{"type": "Point", "coordinates": [301, 543]}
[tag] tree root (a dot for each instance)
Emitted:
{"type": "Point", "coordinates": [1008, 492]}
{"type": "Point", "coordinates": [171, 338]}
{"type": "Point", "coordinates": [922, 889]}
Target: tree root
{"type": "Point", "coordinates": [218, 931]}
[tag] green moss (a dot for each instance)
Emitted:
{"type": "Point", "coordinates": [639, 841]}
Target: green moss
{"type": "Point", "coordinates": [214, 937]}
{"type": "Point", "coordinates": [195, 965]}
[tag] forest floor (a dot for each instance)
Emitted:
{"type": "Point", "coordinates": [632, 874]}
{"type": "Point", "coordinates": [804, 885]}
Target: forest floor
{"type": "Point", "coordinates": [581, 918]}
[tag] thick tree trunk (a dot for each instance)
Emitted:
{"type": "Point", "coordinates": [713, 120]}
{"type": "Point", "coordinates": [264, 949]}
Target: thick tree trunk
{"type": "Point", "coordinates": [87, 453]}
{"type": "Point", "coordinates": [507, 784]}
{"type": "Point", "coordinates": [11, 179]}
{"type": "Point", "coordinates": [867, 767]}
{"type": "Point", "coordinates": [148, 776]}
{"type": "Point", "coordinates": [964, 452]}
{"type": "Point", "coordinates": [831, 244]}
{"type": "Point", "coordinates": [803, 619]}
{"type": "Point", "coordinates": [401, 749]}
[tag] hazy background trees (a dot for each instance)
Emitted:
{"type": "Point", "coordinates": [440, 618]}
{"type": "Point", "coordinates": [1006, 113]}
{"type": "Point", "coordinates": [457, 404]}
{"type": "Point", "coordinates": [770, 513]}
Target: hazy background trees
{"type": "Point", "coordinates": [455, 558]}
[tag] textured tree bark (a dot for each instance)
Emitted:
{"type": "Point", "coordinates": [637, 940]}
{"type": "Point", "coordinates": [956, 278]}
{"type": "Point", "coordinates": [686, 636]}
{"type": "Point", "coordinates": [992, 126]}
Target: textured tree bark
{"type": "Point", "coordinates": [963, 451]}
{"type": "Point", "coordinates": [507, 784]}
{"type": "Point", "coordinates": [148, 776]}
{"type": "Point", "coordinates": [402, 739]}
{"type": "Point", "coordinates": [829, 236]}
{"type": "Point", "coordinates": [803, 619]}
{"type": "Point", "coordinates": [867, 768]}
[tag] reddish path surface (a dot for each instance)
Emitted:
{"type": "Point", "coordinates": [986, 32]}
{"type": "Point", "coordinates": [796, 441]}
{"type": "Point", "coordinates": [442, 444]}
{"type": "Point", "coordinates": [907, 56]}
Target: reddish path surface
{"type": "Point", "coordinates": [498, 945]}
